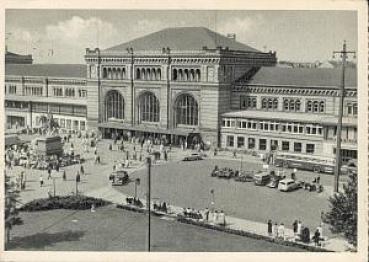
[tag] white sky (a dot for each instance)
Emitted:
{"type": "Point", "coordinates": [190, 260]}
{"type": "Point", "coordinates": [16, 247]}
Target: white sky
{"type": "Point", "coordinates": [295, 35]}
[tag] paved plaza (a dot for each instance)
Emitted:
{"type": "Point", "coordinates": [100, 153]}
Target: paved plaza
{"type": "Point", "coordinates": [188, 184]}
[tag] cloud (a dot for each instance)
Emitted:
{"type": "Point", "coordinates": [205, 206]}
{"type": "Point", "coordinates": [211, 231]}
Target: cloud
{"type": "Point", "coordinates": [82, 32]}
{"type": "Point", "coordinates": [65, 41]}
{"type": "Point", "coordinates": [242, 26]}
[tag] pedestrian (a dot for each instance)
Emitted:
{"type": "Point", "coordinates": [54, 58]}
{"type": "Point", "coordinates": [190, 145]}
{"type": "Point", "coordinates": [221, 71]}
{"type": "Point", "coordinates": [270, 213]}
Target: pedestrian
{"type": "Point", "coordinates": [318, 180]}
{"type": "Point", "coordinates": [299, 228]}
{"type": "Point", "coordinates": [48, 172]}
{"type": "Point", "coordinates": [78, 177]}
{"type": "Point", "coordinates": [234, 154]}
{"type": "Point", "coordinates": [275, 230]}
{"type": "Point", "coordinates": [82, 169]}
{"type": "Point", "coordinates": [320, 229]}
{"type": "Point", "coordinates": [96, 156]}
{"type": "Point", "coordinates": [293, 176]}
{"type": "Point", "coordinates": [165, 155]}
{"type": "Point", "coordinates": [281, 231]}
{"type": "Point", "coordinates": [270, 227]}
{"type": "Point", "coordinates": [49, 193]}
{"type": "Point", "coordinates": [295, 227]}
{"type": "Point", "coordinates": [110, 147]}
{"type": "Point", "coordinates": [64, 175]}
{"type": "Point", "coordinates": [316, 238]}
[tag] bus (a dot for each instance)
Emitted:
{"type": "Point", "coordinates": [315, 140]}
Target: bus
{"type": "Point", "coordinates": [305, 162]}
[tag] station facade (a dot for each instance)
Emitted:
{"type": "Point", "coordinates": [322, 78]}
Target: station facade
{"type": "Point", "coordinates": [190, 84]}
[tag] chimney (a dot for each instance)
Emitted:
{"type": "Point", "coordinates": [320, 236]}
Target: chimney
{"type": "Point", "coordinates": [232, 36]}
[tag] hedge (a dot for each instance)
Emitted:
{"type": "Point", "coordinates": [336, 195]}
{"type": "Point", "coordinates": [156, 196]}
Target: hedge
{"type": "Point", "coordinates": [79, 202]}
{"type": "Point", "coordinates": [251, 235]}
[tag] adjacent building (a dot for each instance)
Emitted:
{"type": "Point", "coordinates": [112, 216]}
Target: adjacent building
{"type": "Point", "coordinates": [190, 84]}
{"type": "Point", "coordinates": [32, 91]}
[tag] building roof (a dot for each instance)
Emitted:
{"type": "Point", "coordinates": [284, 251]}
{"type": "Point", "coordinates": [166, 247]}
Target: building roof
{"type": "Point", "coordinates": [13, 58]}
{"type": "Point", "coordinates": [50, 70]}
{"type": "Point", "coordinates": [278, 76]}
{"type": "Point", "coordinates": [181, 39]}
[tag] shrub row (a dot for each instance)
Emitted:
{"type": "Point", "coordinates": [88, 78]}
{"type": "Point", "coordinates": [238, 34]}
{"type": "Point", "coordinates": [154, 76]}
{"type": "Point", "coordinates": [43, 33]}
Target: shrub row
{"type": "Point", "coordinates": [250, 235]}
{"type": "Point", "coordinates": [79, 202]}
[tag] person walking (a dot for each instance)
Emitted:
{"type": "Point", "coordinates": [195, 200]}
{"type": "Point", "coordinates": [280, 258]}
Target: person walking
{"type": "Point", "coordinates": [82, 169]}
{"type": "Point", "coordinates": [64, 176]}
{"type": "Point", "coordinates": [78, 177]}
{"type": "Point", "coordinates": [299, 228]}
{"type": "Point", "coordinates": [48, 172]}
{"type": "Point", "coordinates": [316, 238]}
{"type": "Point", "coordinates": [295, 227]}
{"type": "Point", "coordinates": [270, 227]}
{"type": "Point", "coordinates": [275, 230]}
{"type": "Point", "coordinates": [41, 181]}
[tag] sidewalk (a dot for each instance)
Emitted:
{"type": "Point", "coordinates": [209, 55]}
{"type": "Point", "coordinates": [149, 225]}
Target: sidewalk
{"type": "Point", "coordinates": [333, 244]}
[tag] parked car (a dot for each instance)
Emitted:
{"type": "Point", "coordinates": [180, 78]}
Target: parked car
{"type": "Point", "coordinates": [262, 178]}
{"type": "Point", "coordinates": [287, 185]}
{"type": "Point", "coordinates": [119, 178]}
{"type": "Point", "coordinates": [274, 181]}
{"type": "Point", "coordinates": [245, 176]}
{"type": "Point", "coordinates": [193, 157]}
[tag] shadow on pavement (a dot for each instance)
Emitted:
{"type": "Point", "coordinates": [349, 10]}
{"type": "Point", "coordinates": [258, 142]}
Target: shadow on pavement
{"type": "Point", "coordinates": [41, 240]}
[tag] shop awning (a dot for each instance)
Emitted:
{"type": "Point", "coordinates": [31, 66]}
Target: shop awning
{"type": "Point", "coordinates": [150, 128]}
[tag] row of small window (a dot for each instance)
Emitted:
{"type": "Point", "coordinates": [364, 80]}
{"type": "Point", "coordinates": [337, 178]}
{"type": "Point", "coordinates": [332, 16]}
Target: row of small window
{"type": "Point", "coordinates": [114, 73]}
{"type": "Point", "coordinates": [296, 128]}
{"type": "Point", "coordinates": [12, 89]}
{"type": "Point", "coordinates": [33, 91]}
{"type": "Point", "coordinates": [274, 144]}
{"type": "Point", "coordinates": [68, 123]}
{"type": "Point", "coordinates": [59, 109]}
{"type": "Point", "coordinates": [16, 105]}
{"type": "Point", "coordinates": [69, 92]}
{"type": "Point", "coordinates": [289, 104]}
{"type": "Point", "coordinates": [151, 74]}
{"type": "Point", "coordinates": [186, 75]}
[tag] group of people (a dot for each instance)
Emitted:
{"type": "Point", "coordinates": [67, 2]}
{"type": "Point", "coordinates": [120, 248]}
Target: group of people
{"type": "Point", "coordinates": [206, 215]}
{"type": "Point", "coordinates": [163, 207]}
{"type": "Point", "coordinates": [301, 232]}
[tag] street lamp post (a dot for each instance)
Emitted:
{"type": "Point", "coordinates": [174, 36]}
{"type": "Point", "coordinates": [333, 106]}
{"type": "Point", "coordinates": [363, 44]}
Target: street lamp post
{"type": "Point", "coordinates": [54, 186]}
{"type": "Point", "coordinates": [343, 53]}
{"type": "Point", "coordinates": [137, 182]}
{"type": "Point", "coordinates": [148, 202]}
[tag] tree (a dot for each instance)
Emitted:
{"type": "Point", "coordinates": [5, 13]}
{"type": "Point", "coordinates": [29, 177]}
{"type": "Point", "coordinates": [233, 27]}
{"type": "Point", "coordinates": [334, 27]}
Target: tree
{"type": "Point", "coordinates": [11, 212]}
{"type": "Point", "coordinates": [342, 217]}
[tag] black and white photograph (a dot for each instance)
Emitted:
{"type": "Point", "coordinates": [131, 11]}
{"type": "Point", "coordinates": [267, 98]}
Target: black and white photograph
{"type": "Point", "coordinates": [182, 130]}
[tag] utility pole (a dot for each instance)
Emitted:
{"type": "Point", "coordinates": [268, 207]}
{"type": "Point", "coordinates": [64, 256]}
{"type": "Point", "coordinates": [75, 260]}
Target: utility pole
{"type": "Point", "coordinates": [148, 202]}
{"type": "Point", "coordinates": [54, 186]}
{"type": "Point", "coordinates": [343, 54]}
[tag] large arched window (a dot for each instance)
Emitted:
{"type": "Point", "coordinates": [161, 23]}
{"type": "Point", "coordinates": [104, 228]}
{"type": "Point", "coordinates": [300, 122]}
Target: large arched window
{"type": "Point", "coordinates": [149, 108]}
{"type": "Point", "coordinates": [187, 111]}
{"type": "Point", "coordinates": [114, 105]}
